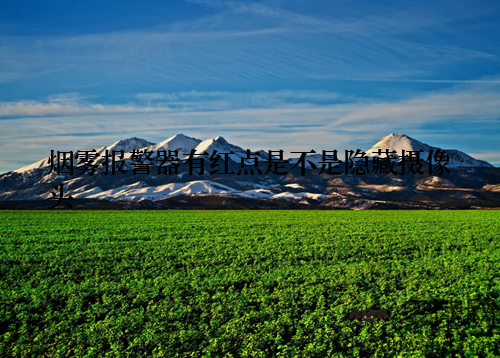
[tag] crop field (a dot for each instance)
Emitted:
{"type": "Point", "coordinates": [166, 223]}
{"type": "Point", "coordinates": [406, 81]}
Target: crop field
{"type": "Point", "coordinates": [249, 283]}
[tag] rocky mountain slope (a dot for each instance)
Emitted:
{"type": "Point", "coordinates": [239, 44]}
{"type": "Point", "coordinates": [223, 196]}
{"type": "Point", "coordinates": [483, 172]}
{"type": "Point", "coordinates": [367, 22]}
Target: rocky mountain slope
{"type": "Point", "coordinates": [471, 183]}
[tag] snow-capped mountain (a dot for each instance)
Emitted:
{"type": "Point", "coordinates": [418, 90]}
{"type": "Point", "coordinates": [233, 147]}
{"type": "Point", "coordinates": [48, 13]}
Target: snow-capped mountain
{"type": "Point", "coordinates": [221, 145]}
{"type": "Point", "coordinates": [127, 145]}
{"type": "Point", "coordinates": [399, 142]}
{"type": "Point", "coordinates": [345, 191]}
{"type": "Point", "coordinates": [180, 142]}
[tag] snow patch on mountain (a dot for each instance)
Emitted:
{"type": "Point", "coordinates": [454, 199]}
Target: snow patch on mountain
{"type": "Point", "coordinates": [295, 186]}
{"type": "Point", "coordinates": [141, 190]}
{"type": "Point", "coordinates": [29, 168]}
{"type": "Point", "coordinates": [257, 193]}
{"type": "Point", "coordinates": [86, 192]}
{"type": "Point", "coordinates": [303, 195]}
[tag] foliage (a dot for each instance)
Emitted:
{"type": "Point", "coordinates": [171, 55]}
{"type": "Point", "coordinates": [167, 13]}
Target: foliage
{"type": "Point", "coordinates": [249, 283]}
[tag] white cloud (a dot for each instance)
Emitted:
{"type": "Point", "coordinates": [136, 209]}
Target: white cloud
{"type": "Point", "coordinates": [74, 104]}
{"type": "Point", "coordinates": [472, 102]}
{"type": "Point", "coordinates": [58, 108]}
{"type": "Point", "coordinates": [16, 74]}
{"type": "Point", "coordinates": [490, 156]}
{"type": "Point", "coordinates": [249, 43]}
{"type": "Point", "coordinates": [463, 102]}
{"type": "Point", "coordinates": [252, 118]}
{"type": "Point", "coordinates": [241, 99]}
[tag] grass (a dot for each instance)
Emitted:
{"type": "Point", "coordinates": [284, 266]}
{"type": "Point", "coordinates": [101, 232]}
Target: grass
{"type": "Point", "coordinates": [249, 283]}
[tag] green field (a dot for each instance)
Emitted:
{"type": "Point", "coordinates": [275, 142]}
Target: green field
{"type": "Point", "coordinates": [249, 283]}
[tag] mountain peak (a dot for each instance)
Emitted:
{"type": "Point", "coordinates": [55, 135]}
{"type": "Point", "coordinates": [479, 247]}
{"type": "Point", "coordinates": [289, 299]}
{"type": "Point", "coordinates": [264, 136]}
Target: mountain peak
{"type": "Point", "coordinates": [221, 145]}
{"type": "Point", "coordinates": [397, 135]}
{"type": "Point", "coordinates": [129, 144]}
{"type": "Point", "coordinates": [399, 142]}
{"type": "Point", "coordinates": [176, 142]}
{"type": "Point", "coordinates": [220, 139]}
{"type": "Point", "coordinates": [179, 136]}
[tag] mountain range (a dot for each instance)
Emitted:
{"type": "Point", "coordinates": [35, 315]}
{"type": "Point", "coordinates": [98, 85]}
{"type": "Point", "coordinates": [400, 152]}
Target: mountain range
{"type": "Point", "coordinates": [470, 183]}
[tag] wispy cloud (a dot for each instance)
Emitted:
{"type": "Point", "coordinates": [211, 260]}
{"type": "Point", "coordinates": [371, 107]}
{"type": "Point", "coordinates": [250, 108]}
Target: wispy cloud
{"type": "Point", "coordinates": [6, 77]}
{"type": "Point", "coordinates": [75, 104]}
{"type": "Point", "coordinates": [264, 10]}
{"type": "Point", "coordinates": [256, 119]}
{"type": "Point", "coordinates": [247, 43]}
{"type": "Point", "coordinates": [403, 80]}
{"type": "Point", "coordinates": [465, 101]}
{"type": "Point", "coordinates": [56, 108]}
{"type": "Point", "coordinates": [472, 102]}
{"type": "Point", "coordinates": [490, 156]}
{"type": "Point", "coordinates": [243, 99]}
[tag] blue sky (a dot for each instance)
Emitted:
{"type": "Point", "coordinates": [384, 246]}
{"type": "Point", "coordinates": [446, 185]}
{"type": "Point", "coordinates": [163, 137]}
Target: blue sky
{"type": "Point", "coordinates": [290, 75]}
